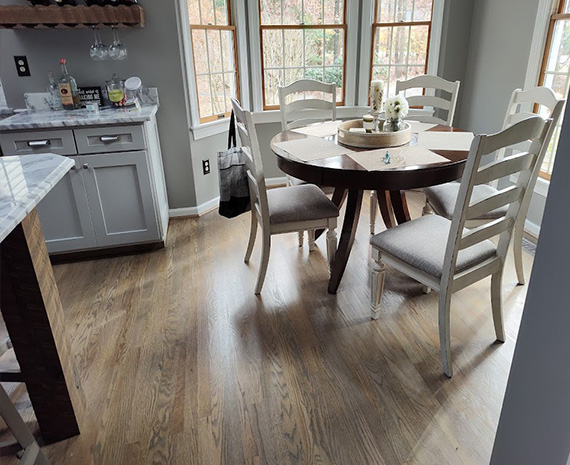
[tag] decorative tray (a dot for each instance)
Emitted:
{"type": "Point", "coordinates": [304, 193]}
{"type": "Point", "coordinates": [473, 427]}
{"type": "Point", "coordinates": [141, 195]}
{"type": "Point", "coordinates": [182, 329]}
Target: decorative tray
{"type": "Point", "coordinates": [371, 140]}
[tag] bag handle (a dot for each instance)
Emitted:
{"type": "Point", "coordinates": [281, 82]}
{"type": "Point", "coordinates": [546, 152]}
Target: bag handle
{"type": "Point", "coordinates": [232, 132]}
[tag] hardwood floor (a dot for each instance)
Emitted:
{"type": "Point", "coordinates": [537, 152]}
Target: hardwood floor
{"type": "Point", "coordinates": [182, 364]}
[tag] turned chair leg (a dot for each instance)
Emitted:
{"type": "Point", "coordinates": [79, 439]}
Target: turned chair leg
{"type": "Point", "coordinates": [444, 331]}
{"type": "Point", "coordinates": [517, 250]}
{"type": "Point", "coordinates": [301, 234]}
{"type": "Point", "coordinates": [331, 245]}
{"type": "Point", "coordinates": [497, 304]}
{"type": "Point", "coordinates": [266, 247]}
{"type": "Point", "coordinates": [311, 239]}
{"type": "Point", "coordinates": [252, 234]}
{"type": "Point", "coordinates": [373, 207]}
{"type": "Point", "coordinates": [377, 274]}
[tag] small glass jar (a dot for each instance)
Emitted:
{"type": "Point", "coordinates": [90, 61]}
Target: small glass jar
{"type": "Point", "coordinates": [368, 123]}
{"type": "Point", "coordinates": [393, 125]}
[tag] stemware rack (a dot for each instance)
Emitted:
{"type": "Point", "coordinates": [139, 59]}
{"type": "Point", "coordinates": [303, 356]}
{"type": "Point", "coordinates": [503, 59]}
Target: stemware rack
{"type": "Point", "coordinates": [70, 17]}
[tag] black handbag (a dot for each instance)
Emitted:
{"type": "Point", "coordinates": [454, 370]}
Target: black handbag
{"type": "Point", "coordinates": [234, 187]}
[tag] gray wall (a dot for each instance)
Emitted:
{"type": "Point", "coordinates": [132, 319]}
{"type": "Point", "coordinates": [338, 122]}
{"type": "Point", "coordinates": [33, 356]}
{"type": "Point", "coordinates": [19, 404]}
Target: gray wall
{"type": "Point", "coordinates": [154, 55]}
{"type": "Point", "coordinates": [534, 427]}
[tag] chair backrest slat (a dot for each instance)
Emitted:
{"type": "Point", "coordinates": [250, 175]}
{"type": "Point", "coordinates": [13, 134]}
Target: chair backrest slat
{"type": "Point", "coordinates": [431, 84]}
{"type": "Point", "coordinates": [256, 177]}
{"type": "Point", "coordinates": [535, 129]}
{"type": "Point", "coordinates": [500, 199]}
{"type": "Point", "coordinates": [310, 109]}
{"type": "Point", "coordinates": [504, 167]}
{"type": "Point", "coordinates": [485, 232]}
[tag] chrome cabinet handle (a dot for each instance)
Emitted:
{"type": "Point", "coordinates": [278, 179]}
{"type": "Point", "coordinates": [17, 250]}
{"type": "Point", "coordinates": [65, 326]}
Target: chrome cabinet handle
{"type": "Point", "coordinates": [38, 143]}
{"type": "Point", "coordinates": [86, 166]}
{"type": "Point", "coordinates": [110, 138]}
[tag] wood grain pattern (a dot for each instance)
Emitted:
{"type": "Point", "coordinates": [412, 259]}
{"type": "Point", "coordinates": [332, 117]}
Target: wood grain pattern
{"type": "Point", "coordinates": [181, 364]}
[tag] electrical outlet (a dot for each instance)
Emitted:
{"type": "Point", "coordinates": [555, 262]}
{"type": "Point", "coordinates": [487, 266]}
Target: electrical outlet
{"type": "Point", "coordinates": [22, 66]}
{"type": "Point", "coordinates": [206, 166]}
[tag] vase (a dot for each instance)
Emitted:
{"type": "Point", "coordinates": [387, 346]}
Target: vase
{"type": "Point", "coordinates": [393, 125]}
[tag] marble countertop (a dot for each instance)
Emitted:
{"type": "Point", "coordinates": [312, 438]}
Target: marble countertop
{"type": "Point", "coordinates": [24, 181]}
{"type": "Point", "coordinates": [74, 118]}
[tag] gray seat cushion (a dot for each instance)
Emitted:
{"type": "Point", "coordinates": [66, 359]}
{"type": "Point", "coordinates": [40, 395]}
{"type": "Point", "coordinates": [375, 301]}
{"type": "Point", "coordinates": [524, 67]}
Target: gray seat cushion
{"type": "Point", "coordinates": [299, 182]}
{"type": "Point", "coordinates": [443, 198]}
{"type": "Point", "coordinates": [421, 243]}
{"type": "Point", "coordinates": [299, 203]}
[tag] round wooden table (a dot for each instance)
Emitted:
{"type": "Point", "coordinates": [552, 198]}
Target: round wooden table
{"type": "Point", "coordinates": [350, 178]}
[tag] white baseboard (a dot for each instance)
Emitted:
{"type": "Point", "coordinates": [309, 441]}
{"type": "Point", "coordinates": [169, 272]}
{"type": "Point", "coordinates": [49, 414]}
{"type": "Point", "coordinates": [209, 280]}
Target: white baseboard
{"type": "Point", "coordinates": [213, 203]}
{"type": "Point", "coordinates": [532, 228]}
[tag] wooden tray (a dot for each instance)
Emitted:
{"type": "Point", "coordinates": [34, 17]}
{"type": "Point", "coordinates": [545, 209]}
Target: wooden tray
{"type": "Point", "coordinates": [374, 140]}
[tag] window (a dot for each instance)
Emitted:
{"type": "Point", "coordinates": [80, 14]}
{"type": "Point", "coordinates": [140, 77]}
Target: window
{"type": "Point", "coordinates": [401, 36]}
{"type": "Point", "coordinates": [555, 72]}
{"type": "Point", "coordinates": [301, 39]}
{"type": "Point", "coordinates": [214, 55]}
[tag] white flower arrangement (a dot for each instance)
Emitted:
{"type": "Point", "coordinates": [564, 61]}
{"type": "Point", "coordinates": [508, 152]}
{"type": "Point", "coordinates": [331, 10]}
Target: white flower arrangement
{"type": "Point", "coordinates": [396, 107]}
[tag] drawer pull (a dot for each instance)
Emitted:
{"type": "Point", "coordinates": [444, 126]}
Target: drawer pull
{"type": "Point", "coordinates": [38, 143]}
{"type": "Point", "coordinates": [110, 138]}
{"type": "Point", "coordinates": [86, 166]}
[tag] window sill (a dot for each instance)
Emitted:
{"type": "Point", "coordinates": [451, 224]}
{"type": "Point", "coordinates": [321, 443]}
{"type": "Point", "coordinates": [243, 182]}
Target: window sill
{"type": "Point", "coordinates": [212, 128]}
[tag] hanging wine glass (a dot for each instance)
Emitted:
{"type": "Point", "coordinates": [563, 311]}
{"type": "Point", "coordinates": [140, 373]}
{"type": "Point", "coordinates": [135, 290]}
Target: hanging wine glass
{"type": "Point", "coordinates": [98, 51]}
{"type": "Point", "coordinates": [117, 51]}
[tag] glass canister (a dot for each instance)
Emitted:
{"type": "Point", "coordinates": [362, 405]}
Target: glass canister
{"type": "Point", "coordinates": [116, 91]}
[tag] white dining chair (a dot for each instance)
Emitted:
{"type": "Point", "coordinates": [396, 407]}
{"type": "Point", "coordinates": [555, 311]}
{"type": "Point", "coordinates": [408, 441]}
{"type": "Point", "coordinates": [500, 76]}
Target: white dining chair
{"type": "Point", "coordinates": [523, 104]}
{"type": "Point", "coordinates": [298, 112]}
{"type": "Point", "coordinates": [438, 96]}
{"type": "Point", "coordinates": [443, 255]}
{"type": "Point", "coordinates": [280, 210]}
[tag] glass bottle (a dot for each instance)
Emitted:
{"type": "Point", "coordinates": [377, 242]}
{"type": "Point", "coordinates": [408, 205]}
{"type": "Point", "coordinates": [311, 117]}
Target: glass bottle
{"type": "Point", "coordinates": [54, 95]}
{"type": "Point", "coordinates": [68, 88]}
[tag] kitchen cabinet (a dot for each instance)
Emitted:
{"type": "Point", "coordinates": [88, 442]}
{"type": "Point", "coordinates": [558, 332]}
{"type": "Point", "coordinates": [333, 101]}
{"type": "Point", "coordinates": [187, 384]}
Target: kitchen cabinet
{"type": "Point", "coordinates": [114, 196]}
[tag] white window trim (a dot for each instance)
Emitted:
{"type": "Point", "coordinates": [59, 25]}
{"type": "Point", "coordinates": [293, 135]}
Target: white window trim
{"type": "Point", "coordinates": [202, 130]}
{"type": "Point", "coordinates": [546, 8]}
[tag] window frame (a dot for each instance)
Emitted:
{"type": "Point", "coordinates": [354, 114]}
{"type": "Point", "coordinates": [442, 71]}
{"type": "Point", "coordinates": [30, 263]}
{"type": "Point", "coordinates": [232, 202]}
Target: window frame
{"type": "Point", "coordinates": [215, 27]}
{"type": "Point", "coordinates": [556, 14]}
{"type": "Point", "coordinates": [303, 27]}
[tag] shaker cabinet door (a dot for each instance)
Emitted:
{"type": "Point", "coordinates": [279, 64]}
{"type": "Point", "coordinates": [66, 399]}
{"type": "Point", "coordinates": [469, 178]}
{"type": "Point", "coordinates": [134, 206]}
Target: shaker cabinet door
{"type": "Point", "coordinates": [120, 198]}
{"type": "Point", "coordinates": [64, 215]}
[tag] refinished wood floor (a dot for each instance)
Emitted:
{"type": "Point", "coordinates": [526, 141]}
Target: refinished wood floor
{"type": "Point", "coordinates": [182, 364]}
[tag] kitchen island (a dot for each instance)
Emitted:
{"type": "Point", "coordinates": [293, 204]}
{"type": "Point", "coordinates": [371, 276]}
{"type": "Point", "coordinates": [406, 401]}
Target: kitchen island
{"type": "Point", "coordinates": [29, 298]}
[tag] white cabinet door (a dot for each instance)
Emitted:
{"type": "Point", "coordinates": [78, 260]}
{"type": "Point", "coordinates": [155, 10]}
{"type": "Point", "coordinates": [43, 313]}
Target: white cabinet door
{"type": "Point", "coordinates": [64, 215]}
{"type": "Point", "coordinates": [120, 198]}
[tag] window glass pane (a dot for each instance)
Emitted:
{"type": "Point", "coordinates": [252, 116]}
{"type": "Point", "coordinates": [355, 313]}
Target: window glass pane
{"type": "Point", "coordinates": [273, 48]}
{"type": "Point", "coordinates": [231, 88]}
{"type": "Point", "coordinates": [566, 6]}
{"type": "Point", "coordinates": [221, 11]}
{"type": "Point", "coordinates": [214, 51]}
{"type": "Point", "coordinates": [382, 46]}
{"type": "Point", "coordinates": [333, 75]}
{"type": "Point", "coordinates": [391, 11]}
{"type": "Point", "coordinates": [293, 55]}
{"type": "Point", "coordinates": [292, 11]}
{"type": "Point", "coordinates": [386, 11]}
{"type": "Point", "coordinates": [422, 10]}
{"type": "Point", "coordinates": [314, 73]}
{"type": "Point", "coordinates": [418, 45]}
{"type": "Point", "coordinates": [334, 11]}
{"type": "Point", "coordinates": [207, 12]}
{"type": "Point", "coordinates": [194, 11]}
{"type": "Point", "coordinates": [559, 56]}
{"type": "Point", "coordinates": [314, 47]}
{"type": "Point", "coordinates": [313, 12]}
{"type": "Point", "coordinates": [199, 51]}
{"type": "Point", "coordinates": [270, 11]}
{"type": "Point", "coordinates": [399, 44]}
{"type": "Point", "coordinates": [334, 46]}
{"type": "Point", "coordinates": [273, 79]}
{"type": "Point", "coordinates": [204, 96]}
{"type": "Point", "coordinates": [219, 93]}
{"type": "Point", "coordinates": [228, 50]}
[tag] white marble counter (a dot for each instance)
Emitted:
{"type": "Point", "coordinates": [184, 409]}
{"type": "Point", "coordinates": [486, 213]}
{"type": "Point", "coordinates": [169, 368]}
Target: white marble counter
{"type": "Point", "coordinates": [74, 118]}
{"type": "Point", "coordinates": [24, 181]}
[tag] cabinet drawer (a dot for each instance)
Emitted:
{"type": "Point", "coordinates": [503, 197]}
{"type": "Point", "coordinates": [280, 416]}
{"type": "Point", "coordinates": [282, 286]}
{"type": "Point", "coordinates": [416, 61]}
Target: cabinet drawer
{"type": "Point", "coordinates": [30, 142]}
{"type": "Point", "coordinates": [109, 139]}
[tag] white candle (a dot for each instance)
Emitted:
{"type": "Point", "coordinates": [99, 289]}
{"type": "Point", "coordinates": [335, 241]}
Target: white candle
{"type": "Point", "coordinates": [376, 94]}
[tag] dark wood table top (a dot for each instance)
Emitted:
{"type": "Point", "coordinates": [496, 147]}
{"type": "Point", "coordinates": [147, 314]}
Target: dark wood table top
{"type": "Point", "coordinates": [343, 171]}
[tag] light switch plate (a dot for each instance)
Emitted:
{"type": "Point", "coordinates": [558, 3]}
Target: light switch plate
{"type": "Point", "coordinates": [22, 65]}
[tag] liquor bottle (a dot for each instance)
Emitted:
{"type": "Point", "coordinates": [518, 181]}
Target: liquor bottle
{"type": "Point", "coordinates": [68, 88]}
{"type": "Point", "coordinates": [54, 98]}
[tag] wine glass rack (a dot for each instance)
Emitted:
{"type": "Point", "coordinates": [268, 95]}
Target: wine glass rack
{"type": "Point", "coordinates": [70, 17]}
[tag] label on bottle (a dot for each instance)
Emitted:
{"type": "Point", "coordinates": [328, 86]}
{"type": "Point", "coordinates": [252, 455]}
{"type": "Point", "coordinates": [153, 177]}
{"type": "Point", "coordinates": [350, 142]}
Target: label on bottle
{"type": "Point", "coordinates": [116, 95]}
{"type": "Point", "coordinates": [66, 94]}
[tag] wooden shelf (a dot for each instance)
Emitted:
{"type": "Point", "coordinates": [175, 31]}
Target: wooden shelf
{"type": "Point", "coordinates": [70, 17]}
